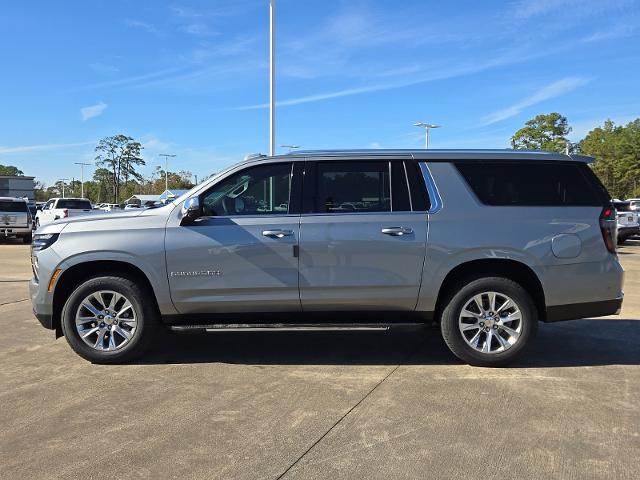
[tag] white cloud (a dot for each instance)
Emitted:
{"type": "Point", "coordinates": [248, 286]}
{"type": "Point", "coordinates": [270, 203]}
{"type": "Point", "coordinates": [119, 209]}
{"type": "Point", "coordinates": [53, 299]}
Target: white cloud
{"type": "Point", "coordinates": [147, 27]}
{"type": "Point", "coordinates": [547, 92]}
{"type": "Point", "coordinates": [46, 146]}
{"type": "Point", "coordinates": [197, 29]}
{"type": "Point", "coordinates": [93, 111]}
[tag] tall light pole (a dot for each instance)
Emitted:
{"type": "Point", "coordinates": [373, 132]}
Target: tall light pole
{"type": "Point", "coordinates": [63, 180]}
{"type": "Point", "coordinates": [290, 147]}
{"type": "Point", "coordinates": [166, 156]}
{"type": "Point", "coordinates": [82, 165]}
{"type": "Point", "coordinates": [427, 127]}
{"type": "Point", "coordinates": [272, 77]}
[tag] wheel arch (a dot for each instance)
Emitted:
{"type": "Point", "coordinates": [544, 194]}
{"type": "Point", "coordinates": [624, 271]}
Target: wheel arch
{"type": "Point", "coordinates": [78, 273]}
{"type": "Point", "coordinates": [502, 267]}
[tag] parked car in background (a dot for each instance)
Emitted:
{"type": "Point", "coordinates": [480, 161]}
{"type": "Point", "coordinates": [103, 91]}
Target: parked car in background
{"type": "Point", "coordinates": [15, 219]}
{"type": "Point", "coordinates": [634, 204]}
{"type": "Point", "coordinates": [59, 208]}
{"type": "Point", "coordinates": [627, 220]}
{"type": "Point", "coordinates": [337, 240]}
{"type": "Point", "coordinates": [109, 207]}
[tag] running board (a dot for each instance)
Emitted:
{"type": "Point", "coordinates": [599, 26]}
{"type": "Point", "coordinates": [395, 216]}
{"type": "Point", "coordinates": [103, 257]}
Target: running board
{"type": "Point", "coordinates": [284, 327]}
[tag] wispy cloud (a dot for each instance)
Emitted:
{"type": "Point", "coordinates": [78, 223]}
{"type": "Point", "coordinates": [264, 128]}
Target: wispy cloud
{"type": "Point", "coordinates": [617, 31]}
{"type": "Point", "coordinates": [104, 68]}
{"type": "Point", "coordinates": [403, 82]}
{"type": "Point", "coordinates": [547, 92]}
{"type": "Point", "coordinates": [147, 27]}
{"type": "Point", "coordinates": [528, 9]}
{"type": "Point", "coordinates": [93, 111]}
{"type": "Point", "coordinates": [46, 146]}
{"type": "Point", "coordinates": [198, 30]}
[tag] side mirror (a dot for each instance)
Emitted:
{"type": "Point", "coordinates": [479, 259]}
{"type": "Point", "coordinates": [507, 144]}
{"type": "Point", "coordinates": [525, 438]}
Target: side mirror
{"type": "Point", "coordinates": [190, 211]}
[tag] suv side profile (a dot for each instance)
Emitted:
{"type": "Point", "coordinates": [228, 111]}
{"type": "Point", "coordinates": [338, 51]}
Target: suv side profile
{"type": "Point", "coordinates": [485, 242]}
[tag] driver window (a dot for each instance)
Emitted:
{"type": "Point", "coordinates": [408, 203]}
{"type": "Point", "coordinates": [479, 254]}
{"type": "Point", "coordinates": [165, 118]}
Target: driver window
{"type": "Point", "coordinates": [261, 190]}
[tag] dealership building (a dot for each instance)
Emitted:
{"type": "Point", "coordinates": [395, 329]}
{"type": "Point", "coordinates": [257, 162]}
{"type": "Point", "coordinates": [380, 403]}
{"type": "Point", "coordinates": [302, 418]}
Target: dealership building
{"type": "Point", "coordinates": [17, 186]}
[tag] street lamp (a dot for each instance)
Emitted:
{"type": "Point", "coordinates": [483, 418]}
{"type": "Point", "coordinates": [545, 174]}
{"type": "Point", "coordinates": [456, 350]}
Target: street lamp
{"type": "Point", "coordinates": [82, 165]}
{"type": "Point", "coordinates": [272, 77]}
{"type": "Point", "coordinates": [166, 168]}
{"type": "Point", "coordinates": [62, 180]}
{"type": "Point", "coordinates": [290, 147]}
{"type": "Point", "coordinates": [427, 127]}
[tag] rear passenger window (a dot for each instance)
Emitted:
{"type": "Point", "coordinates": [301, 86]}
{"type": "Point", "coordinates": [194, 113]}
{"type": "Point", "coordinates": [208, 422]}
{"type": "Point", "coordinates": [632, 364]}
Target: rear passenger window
{"type": "Point", "coordinates": [530, 183]}
{"type": "Point", "coordinates": [349, 187]}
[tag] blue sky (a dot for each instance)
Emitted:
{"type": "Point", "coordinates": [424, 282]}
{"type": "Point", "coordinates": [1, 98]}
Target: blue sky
{"type": "Point", "coordinates": [191, 78]}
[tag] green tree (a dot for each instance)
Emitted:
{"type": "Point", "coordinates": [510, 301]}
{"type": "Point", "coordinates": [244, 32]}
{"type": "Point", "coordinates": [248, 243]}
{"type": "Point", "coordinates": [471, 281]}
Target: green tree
{"type": "Point", "coordinates": [10, 170]}
{"type": "Point", "coordinates": [121, 155]}
{"type": "Point", "coordinates": [617, 153]}
{"type": "Point", "coordinates": [544, 132]}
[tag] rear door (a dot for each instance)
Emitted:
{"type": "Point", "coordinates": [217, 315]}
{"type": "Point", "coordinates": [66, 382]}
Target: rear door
{"type": "Point", "coordinates": [362, 246]}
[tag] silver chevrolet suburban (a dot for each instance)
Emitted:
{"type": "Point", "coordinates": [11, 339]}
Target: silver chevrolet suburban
{"type": "Point", "coordinates": [484, 242]}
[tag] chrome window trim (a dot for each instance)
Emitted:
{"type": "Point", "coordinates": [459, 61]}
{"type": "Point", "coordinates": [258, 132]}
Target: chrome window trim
{"type": "Point", "coordinates": [406, 180]}
{"type": "Point", "coordinates": [432, 189]}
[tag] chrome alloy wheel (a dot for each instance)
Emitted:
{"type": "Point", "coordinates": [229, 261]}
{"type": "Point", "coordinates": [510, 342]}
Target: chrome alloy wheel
{"type": "Point", "coordinates": [106, 320]}
{"type": "Point", "coordinates": [490, 322]}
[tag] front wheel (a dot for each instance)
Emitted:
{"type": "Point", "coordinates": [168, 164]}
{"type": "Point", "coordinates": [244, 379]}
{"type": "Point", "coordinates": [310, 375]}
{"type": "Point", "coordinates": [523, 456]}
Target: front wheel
{"type": "Point", "coordinates": [489, 321]}
{"type": "Point", "coordinates": [107, 320]}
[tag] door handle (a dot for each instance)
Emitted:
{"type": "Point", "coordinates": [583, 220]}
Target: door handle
{"type": "Point", "coordinates": [397, 231]}
{"type": "Point", "coordinates": [277, 233]}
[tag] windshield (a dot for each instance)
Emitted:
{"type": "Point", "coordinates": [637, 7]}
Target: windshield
{"type": "Point", "coordinates": [9, 206]}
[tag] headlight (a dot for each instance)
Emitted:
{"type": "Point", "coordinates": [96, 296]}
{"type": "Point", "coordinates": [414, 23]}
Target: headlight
{"type": "Point", "coordinates": [42, 241]}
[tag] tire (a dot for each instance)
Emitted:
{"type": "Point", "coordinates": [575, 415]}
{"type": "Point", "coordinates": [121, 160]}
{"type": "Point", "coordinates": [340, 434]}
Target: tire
{"type": "Point", "coordinates": [622, 240]}
{"type": "Point", "coordinates": [504, 345]}
{"type": "Point", "coordinates": [27, 238]}
{"type": "Point", "coordinates": [139, 321]}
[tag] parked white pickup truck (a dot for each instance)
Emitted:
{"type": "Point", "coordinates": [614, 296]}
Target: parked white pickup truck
{"type": "Point", "coordinates": [57, 208]}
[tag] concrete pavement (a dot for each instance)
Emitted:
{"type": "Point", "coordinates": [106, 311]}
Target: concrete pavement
{"type": "Point", "coordinates": [311, 405]}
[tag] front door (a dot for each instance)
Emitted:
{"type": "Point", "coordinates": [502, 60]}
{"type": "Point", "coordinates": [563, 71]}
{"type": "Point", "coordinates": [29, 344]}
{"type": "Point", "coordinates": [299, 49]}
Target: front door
{"type": "Point", "coordinates": [240, 255]}
{"type": "Point", "coordinates": [362, 246]}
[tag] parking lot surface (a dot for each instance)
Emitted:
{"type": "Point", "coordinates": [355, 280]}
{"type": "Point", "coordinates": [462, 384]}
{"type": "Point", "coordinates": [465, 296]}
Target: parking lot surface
{"type": "Point", "coordinates": [309, 405]}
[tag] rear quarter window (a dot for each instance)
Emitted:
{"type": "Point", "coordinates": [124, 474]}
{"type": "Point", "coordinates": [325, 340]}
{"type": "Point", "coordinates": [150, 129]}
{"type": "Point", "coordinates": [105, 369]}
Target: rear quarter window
{"type": "Point", "coordinates": [74, 204]}
{"type": "Point", "coordinates": [13, 207]}
{"type": "Point", "coordinates": [533, 183]}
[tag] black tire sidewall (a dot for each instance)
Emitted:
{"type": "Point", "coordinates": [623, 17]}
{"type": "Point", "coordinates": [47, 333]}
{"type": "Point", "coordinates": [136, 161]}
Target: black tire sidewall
{"type": "Point", "coordinates": [146, 319]}
{"type": "Point", "coordinates": [450, 315]}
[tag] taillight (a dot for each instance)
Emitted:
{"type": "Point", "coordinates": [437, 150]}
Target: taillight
{"type": "Point", "coordinates": [609, 228]}
{"type": "Point", "coordinates": [65, 213]}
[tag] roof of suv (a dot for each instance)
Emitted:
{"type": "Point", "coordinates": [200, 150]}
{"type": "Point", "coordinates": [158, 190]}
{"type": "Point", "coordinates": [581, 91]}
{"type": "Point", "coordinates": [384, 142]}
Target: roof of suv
{"type": "Point", "coordinates": [454, 154]}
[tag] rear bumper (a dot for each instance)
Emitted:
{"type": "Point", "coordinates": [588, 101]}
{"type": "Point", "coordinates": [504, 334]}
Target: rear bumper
{"type": "Point", "coordinates": [574, 311]}
{"type": "Point", "coordinates": [19, 231]}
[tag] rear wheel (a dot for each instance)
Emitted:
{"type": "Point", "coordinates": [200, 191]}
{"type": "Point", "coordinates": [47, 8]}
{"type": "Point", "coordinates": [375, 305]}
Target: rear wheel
{"type": "Point", "coordinates": [489, 321]}
{"type": "Point", "coordinates": [27, 238]}
{"type": "Point", "coordinates": [107, 320]}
